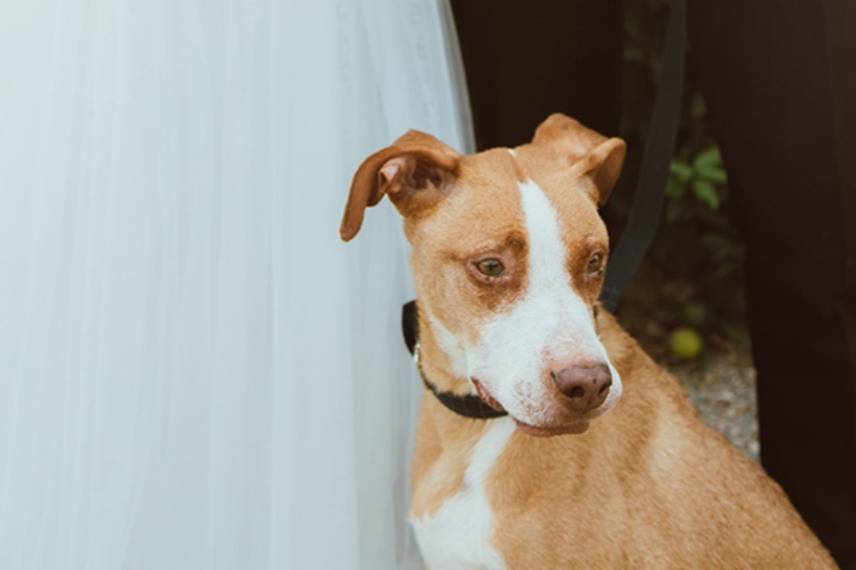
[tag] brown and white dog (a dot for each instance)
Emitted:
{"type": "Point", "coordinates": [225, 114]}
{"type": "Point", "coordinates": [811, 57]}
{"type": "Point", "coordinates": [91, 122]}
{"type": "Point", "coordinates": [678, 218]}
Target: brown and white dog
{"type": "Point", "coordinates": [508, 255]}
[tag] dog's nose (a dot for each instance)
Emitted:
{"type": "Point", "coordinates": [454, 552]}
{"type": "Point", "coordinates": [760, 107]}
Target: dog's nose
{"type": "Point", "coordinates": [585, 385]}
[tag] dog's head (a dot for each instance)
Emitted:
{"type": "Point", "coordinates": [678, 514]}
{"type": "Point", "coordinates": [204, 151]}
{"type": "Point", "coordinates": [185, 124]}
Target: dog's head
{"type": "Point", "coordinates": [509, 255]}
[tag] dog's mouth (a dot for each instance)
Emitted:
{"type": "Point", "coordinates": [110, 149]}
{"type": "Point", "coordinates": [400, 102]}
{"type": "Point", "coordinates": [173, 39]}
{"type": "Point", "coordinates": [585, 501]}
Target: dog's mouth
{"type": "Point", "coordinates": [486, 396]}
{"type": "Point", "coordinates": [542, 431]}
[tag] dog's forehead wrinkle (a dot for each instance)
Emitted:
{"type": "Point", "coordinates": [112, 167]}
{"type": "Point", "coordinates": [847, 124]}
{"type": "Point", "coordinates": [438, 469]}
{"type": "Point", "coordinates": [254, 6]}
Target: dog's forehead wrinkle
{"type": "Point", "coordinates": [505, 236]}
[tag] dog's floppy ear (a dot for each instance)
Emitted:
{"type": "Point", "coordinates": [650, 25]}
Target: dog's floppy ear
{"type": "Point", "coordinates": [415, 171]}
{"type": "Point", "coordinates": [588, 152]}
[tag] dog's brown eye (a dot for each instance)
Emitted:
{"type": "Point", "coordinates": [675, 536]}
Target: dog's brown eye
{"type": "Point", "coordinates": [490, 267]}
{"type": "Point", "coordinates": [595, 262]}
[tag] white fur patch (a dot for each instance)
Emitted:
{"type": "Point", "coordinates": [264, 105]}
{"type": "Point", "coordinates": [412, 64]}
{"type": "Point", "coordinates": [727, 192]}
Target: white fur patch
{"type": "Point", "coordinates": [448, 343]}
{"type": "Point", "coordinates": [457, 536]}
{"type": "Point", "coordinates": [551, 323]}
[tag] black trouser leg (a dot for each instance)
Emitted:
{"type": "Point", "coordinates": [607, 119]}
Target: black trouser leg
{"type": "Point", "coordinates": [779, 81]}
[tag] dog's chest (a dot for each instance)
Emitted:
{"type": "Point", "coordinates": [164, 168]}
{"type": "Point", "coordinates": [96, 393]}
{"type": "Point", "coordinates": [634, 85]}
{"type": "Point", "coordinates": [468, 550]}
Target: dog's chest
{"type": "Point", "coordinates": [457, 536]}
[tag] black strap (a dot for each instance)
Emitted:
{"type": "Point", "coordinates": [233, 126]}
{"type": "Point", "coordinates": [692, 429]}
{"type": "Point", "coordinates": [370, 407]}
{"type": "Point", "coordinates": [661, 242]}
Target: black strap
{"type": "Point", "coordinates": [659, 147]}
{"type": "Point", "coordinates": [470, 406]}
{"type": "Point", "coordinates": [410, 326]}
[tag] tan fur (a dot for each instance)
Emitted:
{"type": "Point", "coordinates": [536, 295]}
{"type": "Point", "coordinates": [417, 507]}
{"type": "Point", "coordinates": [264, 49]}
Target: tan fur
{"type": "Point", "coordinates": [648, 485]}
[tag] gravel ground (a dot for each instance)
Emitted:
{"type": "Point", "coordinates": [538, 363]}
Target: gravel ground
{"type": "Point", "coordinates": [724, 392]}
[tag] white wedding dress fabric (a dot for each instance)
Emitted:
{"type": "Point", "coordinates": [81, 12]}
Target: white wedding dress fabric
{"type": "Point", "coordinates": [195, 373]}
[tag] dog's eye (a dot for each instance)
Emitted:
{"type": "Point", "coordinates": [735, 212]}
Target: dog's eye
{"type": "Point", "coordinates": [595, 262]}
{"type": "Point", "coordinates": [490, 267]}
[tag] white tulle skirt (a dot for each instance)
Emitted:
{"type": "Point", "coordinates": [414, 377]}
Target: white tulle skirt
{"type": "Point", "coordinates": [195, 373]}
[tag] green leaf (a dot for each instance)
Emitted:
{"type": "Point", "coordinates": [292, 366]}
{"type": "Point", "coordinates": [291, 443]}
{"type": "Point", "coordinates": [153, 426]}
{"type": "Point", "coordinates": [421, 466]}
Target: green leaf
{"type": "Point", "coordinates": [681, 170]}
{"type": "Point", "coordinates": [713, 174]}
{"type": "Point", "coordinates": [698, 109]}
{"type": "Point", "coordinates": [674, 188]}
{"type": "Point", "coordinates": [694, 313]}
{"type": "Point", "coordinates": [706, 192]}
{"type": "Point", "coordinates": [708, 157]}
{"type": "Point", "coordinates": [737, 334]}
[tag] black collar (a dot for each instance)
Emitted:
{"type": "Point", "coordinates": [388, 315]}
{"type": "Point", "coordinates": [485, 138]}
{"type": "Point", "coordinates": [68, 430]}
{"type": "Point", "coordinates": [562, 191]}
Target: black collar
{"type": "Point", "coordinates": [470, 406]}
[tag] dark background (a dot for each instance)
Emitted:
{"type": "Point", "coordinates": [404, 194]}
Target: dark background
{"type": "Point", "coordinates": [769, 249]}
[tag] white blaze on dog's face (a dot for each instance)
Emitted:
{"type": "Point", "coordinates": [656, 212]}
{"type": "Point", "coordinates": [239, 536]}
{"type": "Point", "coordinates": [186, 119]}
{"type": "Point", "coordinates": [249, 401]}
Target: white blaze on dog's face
{"type": "Point", "coordinates": [551, 325]}
{"type": "Point", "coordinates": [509, 257]}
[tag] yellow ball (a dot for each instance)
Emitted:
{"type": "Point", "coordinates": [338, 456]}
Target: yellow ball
{"type": "Point", "coordinates": [685, 342]}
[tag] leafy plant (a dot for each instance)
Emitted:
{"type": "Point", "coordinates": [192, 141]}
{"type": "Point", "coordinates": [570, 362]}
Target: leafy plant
{"type": "Point", "coordinates": [703, 175]}
{"type": "Point", "coordinates": [697, 257]}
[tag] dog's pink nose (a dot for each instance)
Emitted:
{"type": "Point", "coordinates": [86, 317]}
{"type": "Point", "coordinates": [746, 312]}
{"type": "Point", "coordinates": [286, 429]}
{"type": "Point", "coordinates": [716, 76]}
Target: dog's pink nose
{"type": "Point", "coordinates": [585, 385]}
